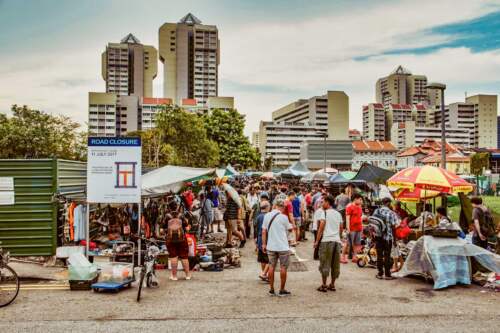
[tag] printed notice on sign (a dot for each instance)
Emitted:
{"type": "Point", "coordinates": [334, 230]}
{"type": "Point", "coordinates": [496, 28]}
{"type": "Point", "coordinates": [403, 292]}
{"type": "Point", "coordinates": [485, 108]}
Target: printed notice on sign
{"type": "Point", "coordinates": [6, 183]}
{"type": "Point", "coordinates": [114, 170]}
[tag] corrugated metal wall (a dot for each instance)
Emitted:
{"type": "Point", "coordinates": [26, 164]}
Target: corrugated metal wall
{"type": "Point", "coordinates": [29, 227]}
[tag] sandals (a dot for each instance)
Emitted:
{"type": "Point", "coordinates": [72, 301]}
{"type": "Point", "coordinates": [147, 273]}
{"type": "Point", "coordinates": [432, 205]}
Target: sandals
{"type": "Point", "coordinates": [264, 278]}
{"type": "Point", "coordinates": [322, 289]}
{"type": "Point", "coordinates": [332, 288]}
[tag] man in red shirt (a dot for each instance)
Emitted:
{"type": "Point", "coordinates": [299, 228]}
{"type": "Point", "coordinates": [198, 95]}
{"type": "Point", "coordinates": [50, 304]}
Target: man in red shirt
{"type": "Point", "coordinates": [188, 197]}
{"type": "Point", "coordinates": [354, 221]}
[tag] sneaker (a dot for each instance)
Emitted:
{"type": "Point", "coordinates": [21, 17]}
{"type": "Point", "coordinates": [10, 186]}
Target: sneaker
{"type": "Point", "coordinates": [390, 277]}
{"type": "Point", "coordinates": [272, 293]}
{"type": "Point", "coordinates": [380, 277]}
{"type": "Point", "coordinates": [284, 293]}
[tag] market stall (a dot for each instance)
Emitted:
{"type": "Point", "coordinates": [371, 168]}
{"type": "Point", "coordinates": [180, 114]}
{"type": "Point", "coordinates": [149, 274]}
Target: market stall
{"type": "Point", "coordinates": [447, 260]}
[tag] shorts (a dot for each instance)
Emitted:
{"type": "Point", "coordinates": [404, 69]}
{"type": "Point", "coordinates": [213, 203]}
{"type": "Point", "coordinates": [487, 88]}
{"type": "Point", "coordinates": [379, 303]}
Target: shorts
{"type": "Point", "coordinates": [218, 216]}
{"type": "Point", "coordinates": [298, 221]}
{"type": "Point", "coordinates": [262, 257]}
{"type": "Point", "coordinates": [240, 224]}
{"type": "Point", "coordinates": [284, 257]}
{"type": "Point", "coordinates": [180, 250]}
{"type": "Point", "coordinates": [329, 259]}
{"type": "Point", "coordinates": [355, 238]}
{"type": "Point", "coordinates": [231, 226]}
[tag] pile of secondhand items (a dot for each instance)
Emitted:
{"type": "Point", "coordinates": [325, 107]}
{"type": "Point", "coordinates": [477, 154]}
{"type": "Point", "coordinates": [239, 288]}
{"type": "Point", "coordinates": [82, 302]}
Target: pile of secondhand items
{"type": "Point", "coordinates": [214, 257]}
{"type": "Point", "coordinates": [487, 280]}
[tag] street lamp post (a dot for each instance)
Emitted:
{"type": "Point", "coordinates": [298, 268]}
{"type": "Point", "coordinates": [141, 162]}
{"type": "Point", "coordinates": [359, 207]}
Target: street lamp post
{"type": "Point", "coordinates": [441, 87]}
{"type": "Point", "coordinates": [325, 135]}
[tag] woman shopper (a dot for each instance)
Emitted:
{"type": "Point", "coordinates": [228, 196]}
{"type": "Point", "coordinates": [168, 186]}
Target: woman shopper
{"type": "Point", "coordinates": [177, 246]}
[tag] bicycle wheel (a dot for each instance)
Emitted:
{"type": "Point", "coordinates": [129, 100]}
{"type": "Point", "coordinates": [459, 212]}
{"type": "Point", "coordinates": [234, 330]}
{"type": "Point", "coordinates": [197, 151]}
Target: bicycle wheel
{"type": "Point", "coordinates": [9, 285]}
{"type": "Point", "coordinates": [141, 280]}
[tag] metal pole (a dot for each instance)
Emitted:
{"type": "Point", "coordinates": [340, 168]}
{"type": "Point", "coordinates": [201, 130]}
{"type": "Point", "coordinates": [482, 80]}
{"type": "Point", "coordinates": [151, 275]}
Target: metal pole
{"type": "Point", "coordinates": [139, 213]}
{"type": "Point", "coordinates": [443, 134]}
{"type": "Point", "coordinates": [87, 231]}
{"type": "Point", "coordinates": [324, 152]}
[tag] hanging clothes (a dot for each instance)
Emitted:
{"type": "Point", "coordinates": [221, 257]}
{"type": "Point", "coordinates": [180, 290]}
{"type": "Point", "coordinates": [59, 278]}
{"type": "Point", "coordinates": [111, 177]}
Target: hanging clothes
{"type": "Point", "coordinates": [71, 219]}
{"type": "Point", "coordinates": [80, 222]}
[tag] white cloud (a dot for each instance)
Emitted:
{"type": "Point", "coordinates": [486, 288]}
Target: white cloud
{"type": "Point", "coordinates": [317, 55]}
{"type": "Point", "coordinates": [297, 58]}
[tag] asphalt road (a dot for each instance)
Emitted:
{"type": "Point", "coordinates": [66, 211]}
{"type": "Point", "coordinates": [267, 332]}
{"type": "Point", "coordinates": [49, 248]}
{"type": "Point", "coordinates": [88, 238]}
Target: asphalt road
{"type": "Point", "coordinates": [234, 300]}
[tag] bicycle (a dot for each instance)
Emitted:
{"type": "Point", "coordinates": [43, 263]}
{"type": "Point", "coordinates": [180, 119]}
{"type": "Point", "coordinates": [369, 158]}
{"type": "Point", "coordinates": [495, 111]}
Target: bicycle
{"type": "Point", "coordinates": [148, 271]}
{"type": "Point", "coordinates": [9, 281]}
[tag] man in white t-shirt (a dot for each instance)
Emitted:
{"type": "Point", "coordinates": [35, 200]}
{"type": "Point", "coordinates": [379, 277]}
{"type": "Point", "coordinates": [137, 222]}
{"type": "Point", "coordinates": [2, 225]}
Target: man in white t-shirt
{"type": "Point", "coordinates": [275, 230]}
{"type": "Point", "coordinates": [328, 240]}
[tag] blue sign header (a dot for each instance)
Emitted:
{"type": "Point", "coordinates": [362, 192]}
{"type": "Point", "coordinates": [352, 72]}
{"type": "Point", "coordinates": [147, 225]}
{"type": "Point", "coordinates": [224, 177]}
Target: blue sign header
{"type": "Point", "coordinates": [114, 142]}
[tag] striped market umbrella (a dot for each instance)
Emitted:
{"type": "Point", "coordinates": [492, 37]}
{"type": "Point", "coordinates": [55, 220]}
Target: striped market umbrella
{"type": "Point", "coordinates": [416, 195]}
{"type": "Point", "coordinates": [429, 178]}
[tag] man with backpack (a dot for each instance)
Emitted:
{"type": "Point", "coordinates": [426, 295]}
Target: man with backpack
{"type": "Point", "coordinates": [483, 223]}
{"type": "Point", "coordinates": [381, 225]}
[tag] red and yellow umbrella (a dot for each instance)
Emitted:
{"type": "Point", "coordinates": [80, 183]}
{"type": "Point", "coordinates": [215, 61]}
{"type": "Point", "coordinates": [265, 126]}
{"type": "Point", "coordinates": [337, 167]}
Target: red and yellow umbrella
{"type": "Point", "coordinates": [416, 195]}
{"type": "Point", "coordinates": [429, 178]}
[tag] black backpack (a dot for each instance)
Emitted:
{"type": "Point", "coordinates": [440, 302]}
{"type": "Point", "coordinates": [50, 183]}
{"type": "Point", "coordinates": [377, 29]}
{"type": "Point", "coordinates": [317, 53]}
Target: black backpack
{"type": "Point", "coordinates": [488, 226]}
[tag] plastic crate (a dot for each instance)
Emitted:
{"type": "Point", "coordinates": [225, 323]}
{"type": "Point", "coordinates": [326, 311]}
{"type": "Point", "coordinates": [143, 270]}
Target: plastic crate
{"type": "Point", "coordinates": [81, 284]}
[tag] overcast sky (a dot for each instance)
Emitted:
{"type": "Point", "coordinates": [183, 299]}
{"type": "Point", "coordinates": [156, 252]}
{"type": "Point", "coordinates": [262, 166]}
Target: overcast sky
{"type": "Point", "coordinates": [272, 52]}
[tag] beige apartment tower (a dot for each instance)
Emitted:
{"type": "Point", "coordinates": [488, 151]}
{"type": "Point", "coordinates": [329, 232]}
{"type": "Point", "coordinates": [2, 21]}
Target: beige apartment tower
{"type": "Point", "coordinates": [190, 53]}
{"type": "Point", "coordinates": [129, 67]}
{"type": "Point", "coordinates": [401, 87]}
{"type": "Point", "coordinates": [485, 115]}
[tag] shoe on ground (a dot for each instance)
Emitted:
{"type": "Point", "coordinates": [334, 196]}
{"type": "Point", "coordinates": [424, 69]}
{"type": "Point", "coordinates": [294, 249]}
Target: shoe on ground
{"type": "Point", "coordinates": [343, 261]}
{"type": "Point", "coordinates": [380, 277]}
{"type": "Point", "coordinates": [284, 293]}
{"type": "Point", "coordinates": [390, 277]}
{"type": "Point", "coordinates": [272, 293]}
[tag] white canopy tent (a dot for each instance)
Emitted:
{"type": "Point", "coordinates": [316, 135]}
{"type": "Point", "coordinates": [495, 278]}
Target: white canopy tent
{"type": "Point", "coordinates": [170, 178]}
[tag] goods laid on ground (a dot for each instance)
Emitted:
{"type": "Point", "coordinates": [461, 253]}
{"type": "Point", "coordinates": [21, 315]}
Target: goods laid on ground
{"type": "Point", "coordinates": [447, 260]}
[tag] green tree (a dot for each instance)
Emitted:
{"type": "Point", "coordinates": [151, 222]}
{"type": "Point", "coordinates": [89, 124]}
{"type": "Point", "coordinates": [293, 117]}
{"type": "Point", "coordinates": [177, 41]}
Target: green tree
{"type": "Point", "coordinates": [155, 152]}
{"type": "Point", "coordinates": [226, 129]}
{"type": "Point", "coordinates": [479, 162]}
{"type": "Point", "coordinates": [32, 133]}
{"type": "Point", "coordinates": [187, 136]}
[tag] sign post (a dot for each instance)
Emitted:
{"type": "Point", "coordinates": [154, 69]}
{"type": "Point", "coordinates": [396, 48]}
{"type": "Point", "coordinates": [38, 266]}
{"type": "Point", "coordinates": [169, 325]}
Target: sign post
{"type": "Point", "coordinates": [114, 172]}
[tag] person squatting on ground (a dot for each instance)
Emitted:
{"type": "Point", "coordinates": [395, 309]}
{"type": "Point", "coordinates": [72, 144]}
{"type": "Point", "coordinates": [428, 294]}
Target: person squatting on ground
{"type": "Point", "coordinates": [275, 231]}
{"type": "Point", "coordinates": [328, 240]}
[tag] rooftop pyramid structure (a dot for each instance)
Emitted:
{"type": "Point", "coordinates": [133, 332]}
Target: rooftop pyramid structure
{"type": "Point", "coordinates": [130, 39]}
{"type": "Point", "coordinates": [401, 70]}
{"type": "Point", "coordinates": [190, 19]}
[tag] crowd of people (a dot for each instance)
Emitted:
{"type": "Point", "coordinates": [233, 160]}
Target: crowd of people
{"type": "Point", "coordinates": [276, 217]}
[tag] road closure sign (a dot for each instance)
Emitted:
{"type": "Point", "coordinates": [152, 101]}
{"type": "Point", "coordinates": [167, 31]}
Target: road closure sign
{"type": "Point", "coordinates": [114, 170]}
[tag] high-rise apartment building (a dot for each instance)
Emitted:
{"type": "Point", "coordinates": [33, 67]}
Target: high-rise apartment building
{"type": "Point", "coordinates": [408, 134]}
{"type": "Point", "coordinates": [316, 117]}
{"type": "Point", "coordinates": [190, 53]}
{"type": "Point", "coordinates": [478, 115]}
{"type": "Point", "coordinates": [401, 87]}
{"type": "Point", "coordinates": [485, 114]}
{"type": "Point", "coordinates": [129, 67]}
{"type": "Point", "coordinates": [374, 122]}
{"type": "Point", "coordinates": [255, 140]}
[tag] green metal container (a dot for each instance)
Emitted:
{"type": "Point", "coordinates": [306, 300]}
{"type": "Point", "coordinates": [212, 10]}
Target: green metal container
{"type": "Point", "coordinates": [29, 227]}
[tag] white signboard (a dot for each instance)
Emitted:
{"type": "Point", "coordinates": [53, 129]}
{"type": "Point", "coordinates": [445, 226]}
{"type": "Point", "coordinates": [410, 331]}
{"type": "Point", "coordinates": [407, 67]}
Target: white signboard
{"type": "Point", "coordinates": [7, 198]}
{"type": "Point", "coordinates": [114, 170]}
{"type": "Point", "coordinates": [6, 183]}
